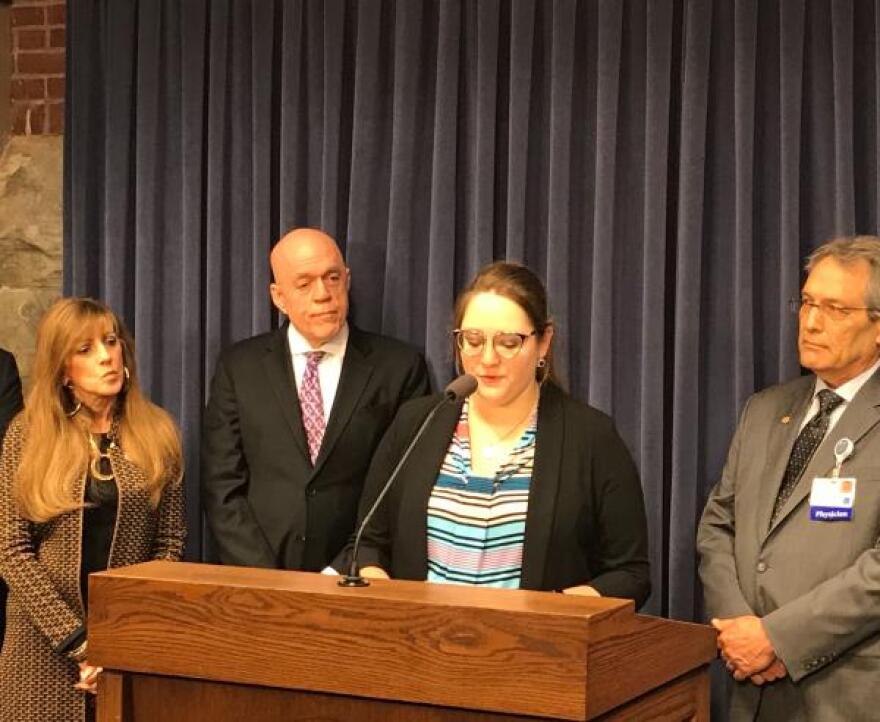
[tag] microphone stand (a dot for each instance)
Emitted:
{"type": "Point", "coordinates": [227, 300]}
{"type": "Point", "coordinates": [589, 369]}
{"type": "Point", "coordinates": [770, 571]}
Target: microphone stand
{"type": "Point", "coordinates": [458, 390]}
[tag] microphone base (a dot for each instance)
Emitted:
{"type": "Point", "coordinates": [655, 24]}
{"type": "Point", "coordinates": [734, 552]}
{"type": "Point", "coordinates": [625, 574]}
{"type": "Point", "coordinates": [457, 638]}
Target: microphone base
{"type": "Point", "coordinates": [351, 580]}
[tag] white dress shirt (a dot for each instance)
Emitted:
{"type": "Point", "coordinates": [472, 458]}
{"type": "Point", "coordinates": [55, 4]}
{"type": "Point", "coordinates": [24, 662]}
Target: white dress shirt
{"type": "Point", "coordinates": [846, 391]}
{"type": "Point", "coordinates": [330, 368]}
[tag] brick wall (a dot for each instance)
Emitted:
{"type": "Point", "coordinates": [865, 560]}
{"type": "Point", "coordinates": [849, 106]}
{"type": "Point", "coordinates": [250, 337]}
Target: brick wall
{"type": "Point", "coordinates": [38, 64]}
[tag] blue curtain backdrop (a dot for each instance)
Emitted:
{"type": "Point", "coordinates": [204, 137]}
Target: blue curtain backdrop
{"type": "Point", "coordinates": [664, 166]}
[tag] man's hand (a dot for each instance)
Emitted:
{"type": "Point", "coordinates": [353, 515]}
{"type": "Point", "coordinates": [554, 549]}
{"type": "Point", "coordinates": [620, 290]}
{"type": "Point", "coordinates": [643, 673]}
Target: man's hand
{"type": "Point", "coordinates": [744, 646]}
{"type": "Point", "coordinates": [775, 671]}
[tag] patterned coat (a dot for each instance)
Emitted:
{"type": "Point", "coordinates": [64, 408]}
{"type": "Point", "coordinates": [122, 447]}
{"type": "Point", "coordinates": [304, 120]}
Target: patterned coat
{"type": "Point", "coordinates": [41, 564]}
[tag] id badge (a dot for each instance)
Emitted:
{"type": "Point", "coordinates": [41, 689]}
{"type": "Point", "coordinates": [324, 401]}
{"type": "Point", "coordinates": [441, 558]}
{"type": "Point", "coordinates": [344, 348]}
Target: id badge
{"type": "Point", "coordinates": [832, 498]}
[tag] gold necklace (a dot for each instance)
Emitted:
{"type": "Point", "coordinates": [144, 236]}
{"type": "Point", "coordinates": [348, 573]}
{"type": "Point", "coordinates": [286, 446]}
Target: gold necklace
{"type": "Point", "coordinates": [95, 463]}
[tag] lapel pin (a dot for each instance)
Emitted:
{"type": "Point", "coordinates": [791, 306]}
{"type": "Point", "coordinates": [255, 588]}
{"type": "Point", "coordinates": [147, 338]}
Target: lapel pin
{"type": "Point", "coordinates": [785, 419]}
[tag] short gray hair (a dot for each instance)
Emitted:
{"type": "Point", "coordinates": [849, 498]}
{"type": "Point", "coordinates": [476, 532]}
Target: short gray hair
{"type": "Point", "coordinates": [847, 251]}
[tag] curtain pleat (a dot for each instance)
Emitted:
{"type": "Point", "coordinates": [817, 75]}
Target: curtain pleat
{"type": "Point", "coordinates": [334, 22]}
{"type": "Point", "coordinates": [409, 178]}
{"type": "Point", "coordinates": [687, 381]}
{"type": "Point", "coordinates": [602, 311]}
{"type": "Point", "coordinates": [745, 54]}
{"type": "Point", "coordinates": [190, 356]}
{"type": "Point", "coordinates": [791, 29]}
{"type": "Point", "coordinates": [443, 210]}
{"type": "Point", "coordinates": [561, 126]}
{"type": "Point", "coordinates": [519, 104]}
{"type": "Point", "coordinates": [842, 70]}
{"type": "Point", "coordinates": [650, 412]}
{"type": "Point", "coordinates": [873, 203]}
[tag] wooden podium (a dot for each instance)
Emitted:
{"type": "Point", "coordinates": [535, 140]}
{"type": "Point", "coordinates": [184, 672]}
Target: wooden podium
{"type": "Point", "coordinates": [189, 642]}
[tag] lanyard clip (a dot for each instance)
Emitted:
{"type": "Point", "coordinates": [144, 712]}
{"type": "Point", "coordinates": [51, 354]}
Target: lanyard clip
{"type": "Point", "coordinates": [843, 449]}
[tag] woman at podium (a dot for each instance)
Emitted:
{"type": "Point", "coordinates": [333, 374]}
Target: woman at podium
{"type": "Point", "coordinates": [90, 478]}
{"type": "Point", "coordinates": [517, 486]}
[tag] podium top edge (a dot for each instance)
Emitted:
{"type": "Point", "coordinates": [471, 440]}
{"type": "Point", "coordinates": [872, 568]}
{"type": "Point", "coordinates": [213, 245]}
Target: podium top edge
{"type": "Point", "coordinates": [512, 600]}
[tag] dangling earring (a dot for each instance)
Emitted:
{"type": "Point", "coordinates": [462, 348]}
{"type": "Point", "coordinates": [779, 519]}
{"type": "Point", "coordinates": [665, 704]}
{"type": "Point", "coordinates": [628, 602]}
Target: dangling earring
{"type": "Point", "coordinates": [127, 383]}
{"type": "Point", "coordinates": [542, 367]}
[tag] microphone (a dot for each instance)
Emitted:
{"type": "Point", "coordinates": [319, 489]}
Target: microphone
{"type": "Point", "coordinates": [457, 391]}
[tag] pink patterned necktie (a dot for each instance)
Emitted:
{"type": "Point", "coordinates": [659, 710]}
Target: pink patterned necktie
{"type": "Point", "coordinates": [311, 403]}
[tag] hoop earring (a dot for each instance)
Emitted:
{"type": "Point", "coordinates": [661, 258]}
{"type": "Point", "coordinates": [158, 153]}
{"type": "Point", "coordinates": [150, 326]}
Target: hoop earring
{"type": "Point", "coordinates": [77, 404]}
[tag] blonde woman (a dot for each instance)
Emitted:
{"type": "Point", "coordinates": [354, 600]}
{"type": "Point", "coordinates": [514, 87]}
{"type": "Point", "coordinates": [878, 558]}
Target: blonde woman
{"type": "Point", "coordinates": [90, 478]}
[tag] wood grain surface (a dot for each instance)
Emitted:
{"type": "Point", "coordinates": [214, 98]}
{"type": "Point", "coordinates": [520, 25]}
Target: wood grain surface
{"type": "Point", "coordinates": [507, 651]}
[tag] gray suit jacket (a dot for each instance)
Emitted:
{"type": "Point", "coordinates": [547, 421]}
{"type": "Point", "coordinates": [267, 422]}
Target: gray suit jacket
{"type": "Point", "coordinates": [815, 584]}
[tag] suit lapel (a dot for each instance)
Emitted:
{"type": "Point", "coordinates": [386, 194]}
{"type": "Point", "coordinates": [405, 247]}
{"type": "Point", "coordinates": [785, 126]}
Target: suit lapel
{"type": "Point", "coordinates": [356, 372]}
{"type": "Point", "coordinates": [782, 437]}
{"type": "Point", "coordinates": [543, 487]}
{"type": "Point", "coordinates": [279, 373]}
{"type": "Point", "coordinates": [859, 417]}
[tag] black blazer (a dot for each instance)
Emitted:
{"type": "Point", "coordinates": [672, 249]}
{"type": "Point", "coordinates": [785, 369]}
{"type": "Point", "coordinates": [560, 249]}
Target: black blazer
{"type": "Point", "coordinates": [10, 405]}
{"type": "Point", "coordinates": [585, 522]}
{"type": "Point", "coordinates": [10, 390]}
{"type": "Point", "coordinates": [265, 503]}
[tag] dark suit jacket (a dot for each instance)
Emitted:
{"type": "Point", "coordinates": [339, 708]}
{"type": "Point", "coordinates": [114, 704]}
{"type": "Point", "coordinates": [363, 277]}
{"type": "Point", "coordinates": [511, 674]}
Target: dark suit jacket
{"type": "Point", "coordinates": [265, 503]}
{"type": "Point", "coordinates": [10, 390]}
{"type": "Point", "coordinates": [585, 522]}
{"type": "Point", "coordinates": [815, 584]}
{"type": "Point", "coordinates": [10, 405]}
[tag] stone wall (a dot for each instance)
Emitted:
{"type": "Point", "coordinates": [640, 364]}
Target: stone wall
{"type": "Point", "coordinates": [30, 239]}
{"type": "Point", "coordinates": [30, 169]}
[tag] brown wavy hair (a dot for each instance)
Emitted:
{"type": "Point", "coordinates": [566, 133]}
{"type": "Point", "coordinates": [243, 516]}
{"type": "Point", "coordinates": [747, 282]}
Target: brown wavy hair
{"type": "Point", "coordinates": [56, 447]}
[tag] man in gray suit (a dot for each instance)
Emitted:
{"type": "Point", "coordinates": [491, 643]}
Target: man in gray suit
{"type": "Point", "coordinates": [790, 560]}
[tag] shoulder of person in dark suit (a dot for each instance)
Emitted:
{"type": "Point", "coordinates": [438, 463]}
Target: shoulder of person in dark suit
{"type": "Point", "coordinates": [10, 405]}
{"type": "Point", "coordinates": [392, 354]}
{"type": "Point", "coordinates": [10, 390]}
{"type": "Point", "coordinates": [244, 349]}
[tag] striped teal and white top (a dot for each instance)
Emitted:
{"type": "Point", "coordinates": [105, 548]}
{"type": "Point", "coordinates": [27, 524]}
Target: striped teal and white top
{"type": "Point", "coordinates": [476, 525]}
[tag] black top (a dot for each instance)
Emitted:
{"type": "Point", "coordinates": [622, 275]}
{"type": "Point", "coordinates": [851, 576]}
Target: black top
{"type": "Point", "coordinates": [585, 522]}
{"type": "Point", "coordinates": [10, 390]}
{"type": "Point", "coordinates": [10, 405]}
{"type": "Point", "coordinates": [99, 520]}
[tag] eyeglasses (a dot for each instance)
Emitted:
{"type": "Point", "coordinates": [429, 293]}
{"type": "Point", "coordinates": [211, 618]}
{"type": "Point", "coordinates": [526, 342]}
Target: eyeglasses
{"type": "Point", "coordinates": [831, 311]}
{"type": "Point", "coordinates": [507, 344]}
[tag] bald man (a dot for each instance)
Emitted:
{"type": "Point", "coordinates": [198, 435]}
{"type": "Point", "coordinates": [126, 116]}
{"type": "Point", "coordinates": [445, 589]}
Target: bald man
{"type": "Point", "coordinates": [294, 416]}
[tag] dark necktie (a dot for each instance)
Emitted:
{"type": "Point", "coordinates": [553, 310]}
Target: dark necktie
{"type": "Point", "coordinates": [311, 403]}
{"type": "Point", "coordinates": [804, 447]}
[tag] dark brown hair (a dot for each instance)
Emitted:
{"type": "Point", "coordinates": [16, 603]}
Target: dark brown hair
{"type": "Point", "coordinates": [519, 284]}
